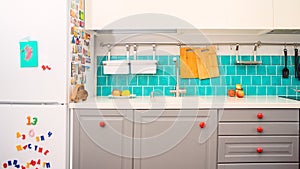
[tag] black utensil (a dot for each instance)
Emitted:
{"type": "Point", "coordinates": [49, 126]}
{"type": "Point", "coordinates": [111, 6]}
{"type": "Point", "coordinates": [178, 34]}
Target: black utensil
{"type": "Point", "coordinates": [296, 62]}
{"type": "Point", "coordinates": [285, 70]}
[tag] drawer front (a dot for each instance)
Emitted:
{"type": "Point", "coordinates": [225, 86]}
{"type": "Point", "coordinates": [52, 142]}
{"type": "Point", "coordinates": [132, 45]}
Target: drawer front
{"type": "Point", "coordinates": [259, 115]}
{"type": "Point", "coordinates": [259, 166]}
{"type": "Point", "coordinates": [246, 149]}
{"type": "Point", "coordinates": [259, 128]}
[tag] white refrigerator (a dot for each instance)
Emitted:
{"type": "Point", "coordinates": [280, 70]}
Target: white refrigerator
{"type": "Point", "coordinates": [34, 49]}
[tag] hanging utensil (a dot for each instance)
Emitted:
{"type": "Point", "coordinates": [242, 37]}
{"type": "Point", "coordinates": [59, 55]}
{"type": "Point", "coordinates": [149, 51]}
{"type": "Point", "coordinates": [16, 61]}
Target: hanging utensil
{"type": "Point", "coordinates": [296, 62]}
{"type": "Point", "coordinates": [285, 70]}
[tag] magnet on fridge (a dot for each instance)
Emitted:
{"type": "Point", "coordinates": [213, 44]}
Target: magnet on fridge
{"type": "Point", "coordinates": [9, 163]}
{"type": "Point", "coordinates": [18, 134]}
{"type": "Point", "coordinates": [73, 40]}
{"type": "Point", "coordinates": [23, 167]}
{"type": "Point", "coordinates": [4, 165]}
{"type": "Point", "coordinates": [31, 133]}
{"type": "Point", "coordinates": [32, 162]}
{"type": "Point", "coordinates": [40, 150]}
{"type": "Point", "coordinates": [42, 138]}
{"type": "Point", "coordinates": [17, 166]}
{"type": "Point", "coordinates": [28, 54]}
{"type": "Point", "coordinates": [23, 136]}
{"type": "Point", "coordinates": [35, 148]}
{"type": "Point", "coordinates": [46, 152]}
{"type": "Point", "coordinates": [37, 138]}
{"type": "Point", "coordinates": [44, 164]}
{"type": "Point", "coordinates": [19, 147]}
{"type": "Point", "coordinates": [77, 41]}
{"type": "Point", "coordinates": [81, 24]}
{"type": "Point", "coordinates": [48, 165]}
{"type": "Point", "coordinates": [81, 15]}
{"type": "Point", "coordinates": [27, 165]}
{"type": "Point", "coordinates": [75, 33]}
{"type": "Point", "coordinates": [29, 146]}
{"type": "Point", "coordinates": [24, 147]}
{"type": "Point", "coordinates": [43, 67]}
{"type": "Point", "coordinates": [49, 134]}
{"type": "Point", "coordinates": [15, 162]}
{"type": "Point", "coordinates": [39, 162]}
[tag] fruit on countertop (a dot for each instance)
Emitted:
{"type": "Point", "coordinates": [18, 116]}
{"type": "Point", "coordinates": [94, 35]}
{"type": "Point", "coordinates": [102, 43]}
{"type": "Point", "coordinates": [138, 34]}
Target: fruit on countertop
{"type": "Point", "coordinates": [125, 93]}
{"type": "Point", "coordinates": [240, 93]}
{"type": "Point", "coordinates": [116, 92]}
{"type": "Point", "coordinates": [231, 93]}
{"type": "Point", "coordinates": [238, 87]}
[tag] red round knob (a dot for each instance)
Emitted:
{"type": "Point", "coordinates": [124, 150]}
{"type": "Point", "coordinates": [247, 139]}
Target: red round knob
{"type": "Point", "coordinates": [260, 115]}
{"type": "Point", "coordinates": [259, 150]}
{"type": "Point", "coordinates": [202, 124]}
{"type": "Point", "coordinates": [102, 124]}
{"type": "Point", "coordinates": [259, 129]}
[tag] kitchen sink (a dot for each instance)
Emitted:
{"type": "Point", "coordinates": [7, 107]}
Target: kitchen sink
{"type": "Point", "coordinates": [291, 97]}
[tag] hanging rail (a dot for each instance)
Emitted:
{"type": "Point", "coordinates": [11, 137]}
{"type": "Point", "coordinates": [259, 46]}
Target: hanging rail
{"type": "Point", "coordinates": [259, 43]}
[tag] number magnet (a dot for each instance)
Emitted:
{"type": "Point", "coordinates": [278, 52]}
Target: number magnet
{"type": "Point", "coordinates": [31, 133]}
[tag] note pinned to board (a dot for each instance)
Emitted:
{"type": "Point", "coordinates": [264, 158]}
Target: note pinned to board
{"type": "Point", "coordinates": [28, 54]}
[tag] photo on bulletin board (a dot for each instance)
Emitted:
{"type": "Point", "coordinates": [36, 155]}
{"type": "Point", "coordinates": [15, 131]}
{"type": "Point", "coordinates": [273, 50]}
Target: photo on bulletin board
{"type": "Point", "coordinates": [28, 54]}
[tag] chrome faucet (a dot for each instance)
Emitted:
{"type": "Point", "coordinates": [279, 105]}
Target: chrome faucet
{"type": "Point", "coordinates": [152, 94]}
{"type": "Point", "coordinates": [177, 90]}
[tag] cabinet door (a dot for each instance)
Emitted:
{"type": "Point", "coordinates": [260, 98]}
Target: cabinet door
{"type": "Point", "coordinates": [103, 141]}
{"type": "Point", "coordinates": [165, 139]}
{"type": "Point", "coordinates": [202, 14]}
{"type": "Point", "coordinates": [286, 14]}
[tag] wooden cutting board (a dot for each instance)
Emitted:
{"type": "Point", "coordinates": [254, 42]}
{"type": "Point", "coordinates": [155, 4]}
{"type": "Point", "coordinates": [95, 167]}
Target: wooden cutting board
{"type": "Point", "coordinates": [188, 63]}
{"type": "Point", "coordinates": [207, 62]}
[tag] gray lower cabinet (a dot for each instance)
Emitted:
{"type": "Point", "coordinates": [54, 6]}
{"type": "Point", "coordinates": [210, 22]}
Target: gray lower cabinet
{"type": "Point", "coordinates": [177, 139]}
{"type": "Point", "coordinates": [102, 139]}
{"type": "Point", "coordinates": [258, 138]}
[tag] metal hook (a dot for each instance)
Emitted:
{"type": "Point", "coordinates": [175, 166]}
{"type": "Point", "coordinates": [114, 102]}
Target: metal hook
{"type": "Point", "coordinates": [127, 51]}
{"type": "Point", "coordinates": [109, 52]}
{"type": "Point", "coordinates": [255, 47]}
{"type": "Point", "coordinates": [295, 46]}
{"type": "Point", "coordinates": [284, 45]}
{"type": "Point", "coordinates": [237, 47]}
{"type": "Point", "coordinates": [237, 53]}
{"type": "Point", "coordinates": [255, 50]}
{"type": "Point", "coordinates": [154, 51]}
{"type": "Point", "coordinates": [134, 52]}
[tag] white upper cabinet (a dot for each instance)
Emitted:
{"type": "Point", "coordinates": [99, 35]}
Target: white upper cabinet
{"type": "Point", "coordinates": [286, 14]}
{"type": "Point", "coordinates": [200, 14]}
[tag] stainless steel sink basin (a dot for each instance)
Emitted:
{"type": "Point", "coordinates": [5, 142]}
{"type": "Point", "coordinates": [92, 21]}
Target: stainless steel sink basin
{"type": "Point", "coordinates": [291, 97]}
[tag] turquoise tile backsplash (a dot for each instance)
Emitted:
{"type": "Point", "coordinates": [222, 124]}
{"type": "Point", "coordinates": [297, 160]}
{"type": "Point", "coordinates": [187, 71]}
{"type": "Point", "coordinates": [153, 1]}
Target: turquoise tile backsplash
{"type": "Point", "coordinates": [264, 79]}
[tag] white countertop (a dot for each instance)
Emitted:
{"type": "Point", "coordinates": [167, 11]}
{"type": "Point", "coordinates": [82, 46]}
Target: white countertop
{"type": "Point", "coordinates": [188, 102]}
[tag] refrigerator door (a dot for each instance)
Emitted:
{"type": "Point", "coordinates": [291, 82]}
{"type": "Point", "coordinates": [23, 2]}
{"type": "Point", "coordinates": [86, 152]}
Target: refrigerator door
{"type": "Point", "coordinates": [33, 136]}
{"type": "Point", "coordinates": [23, 78]}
